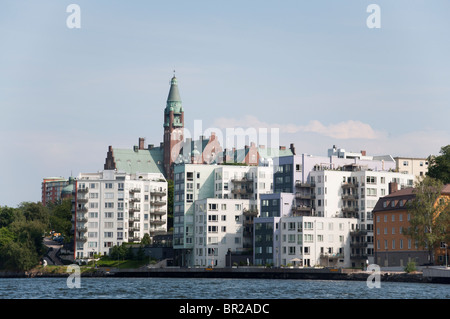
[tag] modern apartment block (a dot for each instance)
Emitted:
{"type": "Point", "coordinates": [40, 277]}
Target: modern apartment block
{"type": "Point", "coordinates": [112, 207]}
{"type": "Point", "coordinates": [295, 169]}
{"type": "Point", "coordinates": [352, 192]}
{"type": "Point", "coordinates": [195, 182]}
{"type": "Point", "coordinates": [222, 227]}
{"type": "Point", "coordinates": [51, 189]}
{"type": "Point", "coordinates": [411, 165]}
{"type": "Point", "coordinates": [282, 237]}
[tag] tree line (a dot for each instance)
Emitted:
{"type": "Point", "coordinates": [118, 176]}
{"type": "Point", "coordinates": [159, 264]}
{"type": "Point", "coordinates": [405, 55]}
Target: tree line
{"type": "Point", "coordinates": [22, 231]}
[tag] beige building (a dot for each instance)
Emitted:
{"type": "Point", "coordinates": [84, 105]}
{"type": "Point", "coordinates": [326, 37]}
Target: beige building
{"type": "Point", "coordinates": [410, 165]}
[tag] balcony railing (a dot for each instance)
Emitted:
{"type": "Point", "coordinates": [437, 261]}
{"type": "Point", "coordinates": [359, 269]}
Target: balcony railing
{"type": "Point", "coordinates": [158, 203]}
{"type": "Point", "coordinates": [242, 180]}
{"type": "Point", "coordinates": [242, 191]}
{"type": "Point", "coordinates": [82, 190]}
{"type": "Point", "coordinates": [155, 211]}
{"type": "Point", "coordinates": [299, 184]}
{"type": "Point", "coordinates": [135, 190]}
{"type": "Point", "coordinates": [250, 212]}
{"type": "Point", "coordinates": [158, 221]}
{"type": "Point", "coordinates": [158, 192]}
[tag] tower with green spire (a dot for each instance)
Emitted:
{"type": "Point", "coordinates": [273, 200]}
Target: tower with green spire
{"type": "Point", "coordinates": [173, 127]}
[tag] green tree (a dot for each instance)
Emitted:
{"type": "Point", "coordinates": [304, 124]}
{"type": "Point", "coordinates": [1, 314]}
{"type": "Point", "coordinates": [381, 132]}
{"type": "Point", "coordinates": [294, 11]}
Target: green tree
{"type": "Point", "coordinates": [35, 212]}
{"type": "Point", "coordinates": [439, 166]}
{"type": "Point", "coordinates": [7, 215]}
{"type": "Point", "coordinates": [429, 215]}
{"type": "Point", "coordinates": [146, 240]}
{"type": "Point", "coordinates": [60, 217]}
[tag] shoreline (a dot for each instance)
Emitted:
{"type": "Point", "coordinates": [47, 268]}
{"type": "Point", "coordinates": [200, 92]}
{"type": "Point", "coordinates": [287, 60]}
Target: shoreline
{"type": "Point", "coordinates": [236, 273]}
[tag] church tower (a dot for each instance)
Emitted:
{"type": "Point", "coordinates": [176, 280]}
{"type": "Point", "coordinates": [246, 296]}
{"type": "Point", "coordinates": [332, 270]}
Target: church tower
{"type": "Point", "coordinates": [173, 128]}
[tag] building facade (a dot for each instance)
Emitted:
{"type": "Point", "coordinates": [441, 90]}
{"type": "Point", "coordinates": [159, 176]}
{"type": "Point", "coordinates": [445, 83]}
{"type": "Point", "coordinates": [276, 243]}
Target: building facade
{"type": "Point", "coordinates": [353, 192]}
{"type": "Point", "coordinates": [392, 247]}
{"type": "Point", "coordinates": [411, 165]}
{"type": "Point", "coordinates": [52, 188]}
{"type": "Point", "coordinates": [222, 227]}
{"type": "Point", "coordinates": [195, 182]}
{"type": "Point", "coordinates": [111, 208]}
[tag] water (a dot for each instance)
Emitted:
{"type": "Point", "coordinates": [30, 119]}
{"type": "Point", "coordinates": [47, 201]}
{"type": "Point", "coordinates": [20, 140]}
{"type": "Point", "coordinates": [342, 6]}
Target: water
{"type": "Point", "coordinates": [188, 288]}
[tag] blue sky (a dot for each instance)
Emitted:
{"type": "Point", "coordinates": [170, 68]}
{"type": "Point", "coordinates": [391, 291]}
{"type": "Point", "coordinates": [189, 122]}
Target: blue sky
{"type": "Point", "coordinates": [312, 68]}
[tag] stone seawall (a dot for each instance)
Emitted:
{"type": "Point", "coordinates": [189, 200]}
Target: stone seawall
{"type": "Point", "coordinates": [238, 273]}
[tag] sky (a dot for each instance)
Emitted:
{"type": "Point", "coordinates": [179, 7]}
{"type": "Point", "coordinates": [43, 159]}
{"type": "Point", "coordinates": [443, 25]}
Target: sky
{"type": "Point", "coordinates": [312, 69]}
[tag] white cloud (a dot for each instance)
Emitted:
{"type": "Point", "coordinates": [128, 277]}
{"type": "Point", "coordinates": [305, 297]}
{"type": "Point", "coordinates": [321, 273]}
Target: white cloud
{"type": "Point", "coordinates": [343, 130]}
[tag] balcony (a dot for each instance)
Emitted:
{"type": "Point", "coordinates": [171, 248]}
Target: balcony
{"type": "Point", "coordinates": [82, 209]}
{"type": "Point", "coordinates": [82, 229]}
{"type": "Point", "coordinates": [299, 195]}
{"type": "Point", "coordinates": [299, 184]}
{"type": "Point", "coordinates": [82, 219]}
{"type": "Point", "coordinates": [82, 200]}
{"type": "Point", "coordinates": [135, 190]}
{"type": "Point", "coordinates": [350, 185]}
{"type": "Point", "coordinates": [81, 238]}
{"type": "Point", "coordinates": [133, 210]}
{"type": "Point", "coordinates": [158, 192]}
{"type": "Point", "coordinates": [358, 244]}
{"type": "Point", "coordinates": [158, 203]}
{"type": "Point", "coordinates": [82, 190]}
{"type": "Point", "coordinates": [242, 180]}
{"type": "Point", "coordinates": [243, 191]}
{"type": "Point", "coordinates": [134, 200]}
{"type": "Point", "coordinates": [157, 231]}
{"type": "Point", "coordinates": [358, 232]}
{"type": "Point", "coordinates": [353, 197]}
{"type": "Point", "coordinates": [332, 256]}
{"type": "Point", "coordinates": [159, 212]}
{"type": "Point", "coordinates": [252, 212]}
{"type": "Point", "coordinates": [358, 256]}
{"type": "Point", "coordinates": [158, 221]}
{"type": "Point", "coordinates": [134, 228]}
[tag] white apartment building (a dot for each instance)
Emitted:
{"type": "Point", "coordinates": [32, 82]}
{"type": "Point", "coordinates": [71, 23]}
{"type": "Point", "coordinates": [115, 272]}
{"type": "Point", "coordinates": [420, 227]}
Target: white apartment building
{"type": "Point", "coordinates": [113, 207]}
{"type": "Point", "coordinates": [314, 241]}
{"type": "Point", "coordinates": [221, 226]}
{"type": "Point", "coordinates": [352, 192]}
{"type": "Point", "coordinates": [194, 182]}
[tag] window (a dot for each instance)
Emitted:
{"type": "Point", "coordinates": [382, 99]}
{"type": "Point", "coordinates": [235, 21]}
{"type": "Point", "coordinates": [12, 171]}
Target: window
{"type": "Point", "coordinates": [212, 207]}
{"type": "Point", "coordinates": [371, 180]}
{"type": "Point", "coordinates": [212, 229]}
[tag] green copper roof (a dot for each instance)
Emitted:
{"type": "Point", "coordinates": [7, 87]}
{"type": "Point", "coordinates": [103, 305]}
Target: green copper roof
{"type": "Point", "coordinates": [174, 99]}
{"type": "Point", "coordinates": [174, 94]}
{"type": "Point", "coordinates": [139, 161]}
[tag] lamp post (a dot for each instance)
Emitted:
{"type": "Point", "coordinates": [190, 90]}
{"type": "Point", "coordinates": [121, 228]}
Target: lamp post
{"type": "Point", "coordinates": [446, 260]}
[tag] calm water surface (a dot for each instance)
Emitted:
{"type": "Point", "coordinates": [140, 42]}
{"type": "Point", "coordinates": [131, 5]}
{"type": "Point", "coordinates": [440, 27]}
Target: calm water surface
{"type": "Point", "coordinates": [180, 288]}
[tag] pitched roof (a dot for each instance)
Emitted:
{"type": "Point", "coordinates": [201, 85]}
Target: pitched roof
{"type": "Point", "coordinates": [139, 161]}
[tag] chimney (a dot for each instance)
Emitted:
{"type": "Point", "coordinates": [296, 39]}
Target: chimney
{"type": "Point", "coordinates": [363, 153]}
{"type": "Point", "coordinates": [282, 148]}
{"type": "Point", "coordinates": [262, 146]}
{"type": "Point", "coordinates": [151, 146]}
{"type": "Point", "coordinates": [393, 187]}
{"type": "Point", "coordinates": [292, 147]}
{"type": "Point", "coordinates": [141, 143]}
